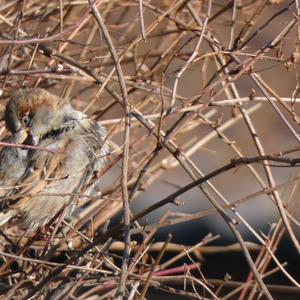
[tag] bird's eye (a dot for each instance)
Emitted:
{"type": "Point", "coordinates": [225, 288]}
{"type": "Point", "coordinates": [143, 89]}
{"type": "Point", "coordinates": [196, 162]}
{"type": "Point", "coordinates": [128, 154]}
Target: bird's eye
{"type": "Point", "coordinates": [26, 120]}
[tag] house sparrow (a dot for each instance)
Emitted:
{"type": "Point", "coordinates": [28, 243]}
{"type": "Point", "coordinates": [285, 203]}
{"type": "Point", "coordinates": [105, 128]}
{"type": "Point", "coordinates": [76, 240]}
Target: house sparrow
{"type": "Point", "coordinates": [71, 148]}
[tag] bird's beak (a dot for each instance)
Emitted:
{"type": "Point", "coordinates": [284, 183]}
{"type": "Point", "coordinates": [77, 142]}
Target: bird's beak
{"type": "Point", "coordinates": [35, 140]}
{"type": "Point", "coordinates": [33, 136]}
{"type": "Point", "coordinates": [21, 135]}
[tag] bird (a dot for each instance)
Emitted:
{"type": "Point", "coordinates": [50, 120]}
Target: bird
{"type": "Point", "coordinates": [69, 147]}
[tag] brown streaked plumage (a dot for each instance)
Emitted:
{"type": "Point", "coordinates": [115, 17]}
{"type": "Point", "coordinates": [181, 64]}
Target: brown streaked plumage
{"type": "Point", "coordinates": [76, 147]}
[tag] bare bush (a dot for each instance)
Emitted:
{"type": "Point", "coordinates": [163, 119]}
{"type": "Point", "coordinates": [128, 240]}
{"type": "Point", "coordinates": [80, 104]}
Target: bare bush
{"type": "Point", "coordinates": [200, 100]}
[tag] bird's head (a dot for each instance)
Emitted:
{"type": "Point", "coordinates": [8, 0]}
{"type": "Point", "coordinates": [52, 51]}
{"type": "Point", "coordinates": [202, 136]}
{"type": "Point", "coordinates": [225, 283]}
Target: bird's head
{"type": "Point", "coordinates": [37, 112]}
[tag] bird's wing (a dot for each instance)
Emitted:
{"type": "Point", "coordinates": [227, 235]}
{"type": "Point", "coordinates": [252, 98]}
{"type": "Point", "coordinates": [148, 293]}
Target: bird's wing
{"type": "Point", "coordinates": [46, 168]}
{"type": "Point", "coordinates": [45, 171]}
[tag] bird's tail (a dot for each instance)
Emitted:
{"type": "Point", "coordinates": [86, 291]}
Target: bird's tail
{"type": "Point", "coordinates": [6, 216]}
